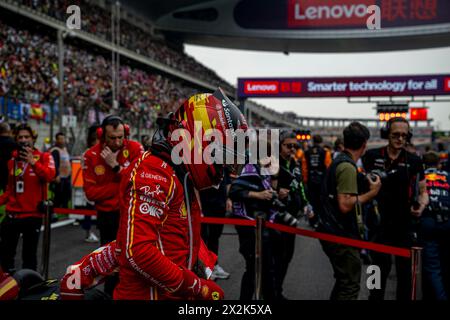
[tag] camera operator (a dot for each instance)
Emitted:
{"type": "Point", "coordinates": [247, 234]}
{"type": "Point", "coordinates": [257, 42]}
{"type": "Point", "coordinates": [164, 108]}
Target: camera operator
{"type": "Point", "coordinates": [62, 185]}
{"type": "Point", "coordinates": [402, 199]}
{"type": "Point", "coordinates": [29, 172]}
{"type": "Point", "coordinates": [291, 193]}
{"type": "Point", "coordinates": [341, 211]}
{"type": "Point", "coordinates": [435, 230]}
{"type": "Point", "coordinates": [251, 194]}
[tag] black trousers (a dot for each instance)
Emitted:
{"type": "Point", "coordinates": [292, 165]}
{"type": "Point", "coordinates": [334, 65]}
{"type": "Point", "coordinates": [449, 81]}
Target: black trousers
{"type": "Point", "coordinates": [108, 225]}
{"type": "Point", "coordinates": [402, 266]}
{"type": "Point", "coordinates": [10, 231]}
{"type": "Point", "coordinates": [314, 191]}
{"type": "Point", "coordinates": [212, 232]}
{"type": "Point", "coordinates": [283, 245]}
{"type": "Point", "coordinates": [247, 238]}
{"type": "Point", "coordinates": [63, 193]}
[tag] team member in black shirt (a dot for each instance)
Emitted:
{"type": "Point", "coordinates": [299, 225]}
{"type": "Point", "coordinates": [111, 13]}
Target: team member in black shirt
{"type": "Point", "coordinates": [402, 199]}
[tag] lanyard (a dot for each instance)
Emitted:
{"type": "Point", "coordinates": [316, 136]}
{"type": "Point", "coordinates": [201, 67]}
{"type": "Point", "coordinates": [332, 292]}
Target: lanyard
{"type": "Point", "coordinates": [18, 172]}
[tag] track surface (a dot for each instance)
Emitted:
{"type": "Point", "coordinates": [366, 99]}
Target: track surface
{"type": "Point", "coordinates": [309, 277]}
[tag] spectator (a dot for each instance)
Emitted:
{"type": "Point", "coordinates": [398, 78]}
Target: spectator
{"type": "Point", "coordinates": [317, 160]}
{"type": "Point", "coordinates": [62, 185]}
{"type": "Point", "coordinates": [301, 159]}
{"type": "Point", "coordinates": [97, 20]}
{"type": "Point", "coordinates": [340, 213]}
{"type": "Point", "coordinates": [30, 76]}
{"type": "Point", "coordinates": [435, 231]}
{"type": "Point", "coordinates": [338, 147]}
{"type": "Point", "coordinates": [30, 171]}
{"type": "Point", "coordinates": [398, 212]}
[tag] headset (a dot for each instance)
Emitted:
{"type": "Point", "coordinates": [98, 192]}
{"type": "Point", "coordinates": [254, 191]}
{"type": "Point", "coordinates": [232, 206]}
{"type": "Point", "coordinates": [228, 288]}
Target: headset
{"type": "Point", "coordinates": [384, 132]}
{"type": "Point", "coordinates": [108, 121]}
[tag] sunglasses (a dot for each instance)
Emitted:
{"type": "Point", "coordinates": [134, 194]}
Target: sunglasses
{"type": "Point", "coordinates": [290, 145]}
{"type": "Point", "coordinates": [397, 135]}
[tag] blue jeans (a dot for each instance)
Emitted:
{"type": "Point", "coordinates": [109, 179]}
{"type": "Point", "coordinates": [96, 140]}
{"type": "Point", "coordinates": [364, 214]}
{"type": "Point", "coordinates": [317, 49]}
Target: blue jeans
{"type": "Point", "coordinates": [436, 254]}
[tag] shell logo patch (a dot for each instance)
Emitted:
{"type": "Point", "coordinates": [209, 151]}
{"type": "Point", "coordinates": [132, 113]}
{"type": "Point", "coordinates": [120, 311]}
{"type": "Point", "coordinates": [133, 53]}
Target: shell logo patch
{"type": "Point", "coordinates": [126, 153]}
{"type": "Point", "coordinates": [205, 290]}
{"type": "Point", "coordinates": [183, 211]}
{"type": "Point", "coordinates": [99, 170]}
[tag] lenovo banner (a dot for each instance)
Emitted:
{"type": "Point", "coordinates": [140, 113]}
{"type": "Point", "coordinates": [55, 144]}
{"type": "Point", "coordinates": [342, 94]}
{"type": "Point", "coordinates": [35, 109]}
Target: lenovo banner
{"type": "Point", "coordinates": [345, 87]}
{"type": "Point", "coordinates": [338, 14]}
{"type": "Point", "coordinates": [319, 13]}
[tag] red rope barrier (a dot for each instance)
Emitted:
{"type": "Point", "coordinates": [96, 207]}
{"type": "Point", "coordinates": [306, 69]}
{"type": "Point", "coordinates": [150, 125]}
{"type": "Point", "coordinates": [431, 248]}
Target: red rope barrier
{"type": "Point", "coordinates": [237, 222]}
{"type": "Point", "coordinates": [402, 252]}
{"type": "Point", "coordinates": [83, 212]}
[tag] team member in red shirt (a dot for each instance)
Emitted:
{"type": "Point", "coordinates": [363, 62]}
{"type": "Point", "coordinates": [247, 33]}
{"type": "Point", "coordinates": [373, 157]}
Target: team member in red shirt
{"type": "Point", "coordinates": [29, 172]}
{"type": "Point", "coordinates": [159, 235]}
{"type": "Point", "coordinates": [103, 165]}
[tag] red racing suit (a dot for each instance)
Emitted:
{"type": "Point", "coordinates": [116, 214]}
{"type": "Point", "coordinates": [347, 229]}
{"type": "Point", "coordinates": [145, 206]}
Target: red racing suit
{"type": "Point", "coordinates": [35, 179]}
{"type": "Point", "coordinates": [92, 270]}
{"type": "Point", "coordinates": [159, 233]}
{"type": "Point", "coordinates": [89, 272]}
{"type": "Point", "coordinates": [100, 182]}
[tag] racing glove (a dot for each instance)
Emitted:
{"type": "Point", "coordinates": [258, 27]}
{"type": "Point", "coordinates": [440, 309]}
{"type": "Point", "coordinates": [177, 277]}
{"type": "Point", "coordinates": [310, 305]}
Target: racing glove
{"type": "Point", "coordinates": [197, 288]}
{"type": "Point", "coordinates": [90, 271]}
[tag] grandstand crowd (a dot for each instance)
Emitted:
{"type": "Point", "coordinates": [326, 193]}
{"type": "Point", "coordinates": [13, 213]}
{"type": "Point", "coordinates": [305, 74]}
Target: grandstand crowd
{"type": "Point", "coordinates": [97, 20]}
{"type": "Point", "coordinates": [29, 73]}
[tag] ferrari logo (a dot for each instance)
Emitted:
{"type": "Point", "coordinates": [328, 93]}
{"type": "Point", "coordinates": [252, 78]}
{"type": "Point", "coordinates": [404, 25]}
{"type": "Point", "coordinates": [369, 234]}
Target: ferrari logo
{"type": "Point", "coordinates": [126, 153]}
{"type": "Point", "coordinates": [215, 295]}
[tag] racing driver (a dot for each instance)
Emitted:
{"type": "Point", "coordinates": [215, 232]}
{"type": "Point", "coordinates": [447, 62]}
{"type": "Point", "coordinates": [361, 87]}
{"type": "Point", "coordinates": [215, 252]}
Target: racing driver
{"type": "Point", "coordinates": [159, 232]}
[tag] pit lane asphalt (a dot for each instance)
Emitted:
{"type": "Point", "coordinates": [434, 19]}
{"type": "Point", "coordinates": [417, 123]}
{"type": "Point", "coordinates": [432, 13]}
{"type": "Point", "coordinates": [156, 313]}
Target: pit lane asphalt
{"type": "Point", "coordinates": [310, 276]}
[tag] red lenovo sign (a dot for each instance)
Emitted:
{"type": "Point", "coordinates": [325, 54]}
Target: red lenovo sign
{"type": "Point", "coordinates": [272, 87]}
{"type": "Point", "coordinates": [261, 87]}
{"type": "Point", "coordinates": [447, 84]}
{"type": "Point", "coordinates": [325, 13]}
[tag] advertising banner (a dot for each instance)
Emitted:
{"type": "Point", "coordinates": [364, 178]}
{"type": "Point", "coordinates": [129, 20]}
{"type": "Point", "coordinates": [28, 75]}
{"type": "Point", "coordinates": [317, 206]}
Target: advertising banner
{"type": "Point", "coordinates": [345, 86]}
{"type": "Point", "coordinates": [338, 14]}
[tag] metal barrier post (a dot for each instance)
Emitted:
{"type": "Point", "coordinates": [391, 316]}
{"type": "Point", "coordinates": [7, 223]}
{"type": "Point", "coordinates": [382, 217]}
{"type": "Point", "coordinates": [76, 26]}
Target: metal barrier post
{"type": "Point", "coordinates": [416, 273]}
{"type": "Point", "coordinates": [46, 240]}
{"type": "Point", "coordinates": [258, 256]}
